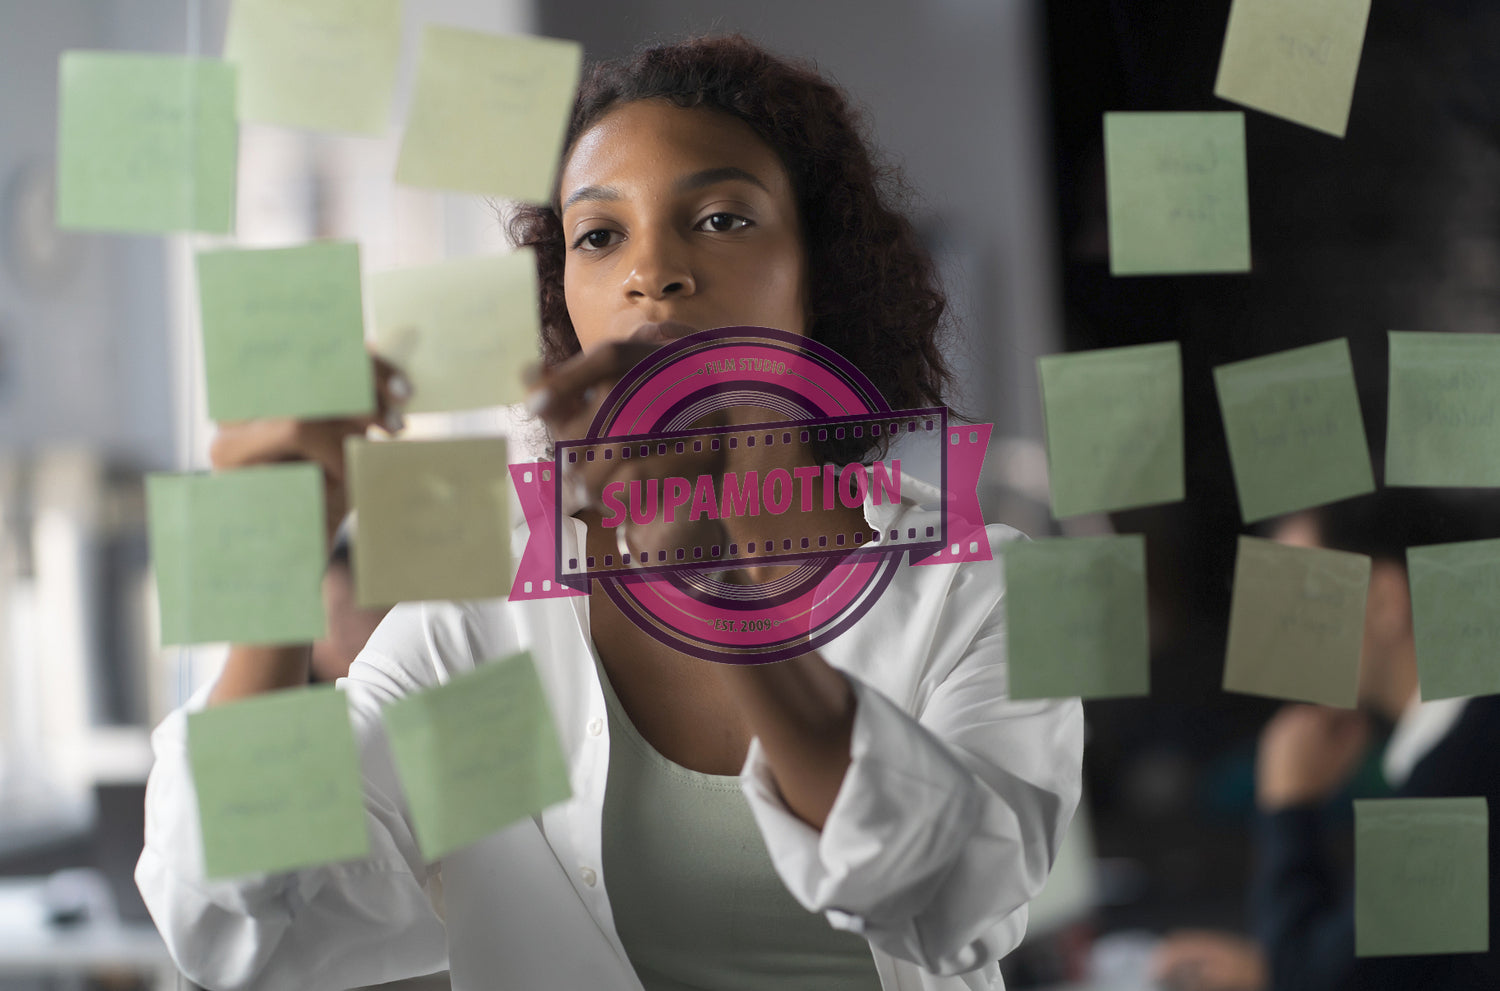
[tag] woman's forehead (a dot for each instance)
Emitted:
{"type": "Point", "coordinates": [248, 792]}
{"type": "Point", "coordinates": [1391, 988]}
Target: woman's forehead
{"type": "Point", "coordinates": [643, 138]}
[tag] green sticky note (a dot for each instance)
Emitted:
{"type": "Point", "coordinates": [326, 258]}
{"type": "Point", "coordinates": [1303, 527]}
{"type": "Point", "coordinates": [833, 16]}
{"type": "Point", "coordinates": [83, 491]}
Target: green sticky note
{"type": "Point", "coordinates": [1177, 193]}
{"type": "Point", "coordinates": [433, 519]}
{"type": "Point", "coordinates": [145, 143]}
{"type": "Point", "coordinates": [476, 754]}
{"type": "Point", "coordinates": [1296, 59]}
{"type": "Point", "coordinates": [489, 113]}
{"type": "Point", "coordinates": [239, 555]}
{"type": "Point", "coordinates": [1296, 622]}
{"type": "Point", "coordinates": [1295, 434]}
{"type": "Point", "coordinates": [1454, 588]}
{"type": "Point", "coordinates": [1075, 617]}
{"type": "Point", "coordinates": [1114, 427]}
{"type": "Point", "coordinates": [1444, 420]}
{"type": "Point", "coordinates": [283, 332]}
{"type": "Point", "coordinates": [462, 331]}
{"type": "Point", "coordinates": [326, 65]}
{"type": "Point", "coordinates": [279, 783]}
{"type": "Point", "coordinates": [1421, 876]}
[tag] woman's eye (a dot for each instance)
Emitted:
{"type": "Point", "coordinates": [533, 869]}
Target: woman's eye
{"type": "Point", "coordinates": [595, 239]}
{"type": "Point", "coordinates": [723, 222]}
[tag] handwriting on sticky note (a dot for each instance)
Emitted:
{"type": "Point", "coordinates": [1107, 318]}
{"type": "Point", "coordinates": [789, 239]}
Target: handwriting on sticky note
{"type": "Point", "coordinates": [462, 331]}
{"type": "Point", "coordinates": [146, 143]}
{"type": "Point", "coordinates": [1114, 427]}
{"type": "Point", "coordinates": [1454, 588]}
{"type": "Point", "coordinates": [283, 332]}
{"type": "Point", "coordinates": [1176, 193]}
{"type": "Point", "coordinates": [320, 64]}
{"type": "Point", "coordinates": [433, 519]}
{"type": "Point", "coordinates": [1296, 59]}
{"type": "Point", "coordinates": [1076, 617]}
{"type": "Point", "coordinates": [476, 754]}
{"type": "Point", "coordinates": [489, 113]}
{"type": "Point", "coordinates": [1421, 876]}
{"type": "Point", "coordinates": [238, 556]}
{"type": "Point", "coordinates": [1296, 622]}
{"type": "Point", "coordinates": [1444, 416]}
{"type": "Point", "coordinates": [278, 783]}
{"type": "Point", "coordinates": [1296, 437]}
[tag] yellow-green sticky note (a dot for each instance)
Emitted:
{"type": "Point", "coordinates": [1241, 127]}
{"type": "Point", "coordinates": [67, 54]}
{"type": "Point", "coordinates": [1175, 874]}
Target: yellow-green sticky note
{"type": "Point", "coordinates": [1178, 199]}
{"type": "Point", "coordinates": [489, 113]}
{"type": "Point", "coordinates": [1444, 418]}
{"type": "Point", "coordinates": [279, 783]}
{"type": "Point", "coordinates": [1454, 590]}
{"type": "Point", "coordinates": [461, 330]}
{"type": "Point", "coordinates": [283, 332]}
{"type": "Point", "coordinates": [1296, 59]}
{"type": "Point", "coordinates": [145, 143]}
{"type": "Point", "coordinates": [1296, 438]}
{"type": "Point", "coordinates": [1296, 622]}
{"type": "Point", "coordinates": [433, 519]}
{"type": "Point", "coordinates": [239, 555]}
{"type": "Point", "coordinates": [476, 754]}
{"type": "Point", "coordinates": [1421, 876]}
{"type": "Point", "coordinates": [327, 65]}
{"type": "Point", "coordinates": [1075, 617]}
{"type": "Point", "coordinates": [1114, 427]}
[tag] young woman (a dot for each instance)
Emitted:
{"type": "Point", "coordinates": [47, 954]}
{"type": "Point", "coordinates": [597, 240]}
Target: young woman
{"type": "Point", "coordinates": [872, 815]}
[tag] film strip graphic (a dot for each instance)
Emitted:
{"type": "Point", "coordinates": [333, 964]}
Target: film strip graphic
{"type": "Point", "coordinates": [916, 435]}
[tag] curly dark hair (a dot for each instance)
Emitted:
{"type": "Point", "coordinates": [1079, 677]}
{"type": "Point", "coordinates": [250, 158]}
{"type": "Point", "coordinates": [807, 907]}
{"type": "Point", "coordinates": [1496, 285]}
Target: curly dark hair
{"type": "Point", "coordinates": [875, 297]}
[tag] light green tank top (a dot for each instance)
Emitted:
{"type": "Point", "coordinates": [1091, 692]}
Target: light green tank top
{"type": "Point", "coordinates": [697, 904]}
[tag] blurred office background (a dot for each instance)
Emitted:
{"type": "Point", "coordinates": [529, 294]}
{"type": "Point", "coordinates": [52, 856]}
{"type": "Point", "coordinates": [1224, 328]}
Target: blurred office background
{"type": "Point", "coordinates": [992, 110]}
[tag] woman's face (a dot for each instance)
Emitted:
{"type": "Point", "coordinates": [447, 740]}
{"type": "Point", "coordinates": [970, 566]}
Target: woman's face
{"type": "Point", "coordinates": [681, 215]}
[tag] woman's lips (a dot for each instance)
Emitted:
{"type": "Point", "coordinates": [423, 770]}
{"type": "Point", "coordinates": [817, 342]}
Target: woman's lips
{"type": "Point", "coordinates": [662, 330]}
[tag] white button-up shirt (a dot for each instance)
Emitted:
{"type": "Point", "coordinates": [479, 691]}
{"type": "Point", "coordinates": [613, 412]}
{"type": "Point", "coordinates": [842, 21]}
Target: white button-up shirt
{"type": "Point", "coordinates": [945, 826]}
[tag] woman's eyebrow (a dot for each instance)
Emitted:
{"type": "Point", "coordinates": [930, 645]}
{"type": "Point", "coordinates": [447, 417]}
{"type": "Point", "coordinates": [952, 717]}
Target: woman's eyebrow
{"type": "Point", "coordinates": [687, 184]}
{"type": "Point", "coordinates": [596, 193]}
{"type": "Point", "coordinates": [708, 177]}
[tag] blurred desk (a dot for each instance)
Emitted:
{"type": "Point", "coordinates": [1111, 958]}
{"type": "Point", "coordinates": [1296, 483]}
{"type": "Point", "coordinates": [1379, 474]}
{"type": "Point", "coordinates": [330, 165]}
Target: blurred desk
{"type": "Point", "coordinates": [30, 946]}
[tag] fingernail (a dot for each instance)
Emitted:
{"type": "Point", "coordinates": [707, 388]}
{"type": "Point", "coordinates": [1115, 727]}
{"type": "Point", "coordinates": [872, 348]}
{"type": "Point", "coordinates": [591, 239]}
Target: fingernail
{"type": "Point", "coordinates": [394, 421]}
{"type": "Point", "coordinates": [399, 387]}
{"type": "Point", "coordinates": [538, 400]}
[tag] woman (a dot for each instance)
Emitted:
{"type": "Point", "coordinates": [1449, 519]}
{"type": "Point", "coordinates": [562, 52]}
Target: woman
{"type": "Point", "coordinates": [871, 815]}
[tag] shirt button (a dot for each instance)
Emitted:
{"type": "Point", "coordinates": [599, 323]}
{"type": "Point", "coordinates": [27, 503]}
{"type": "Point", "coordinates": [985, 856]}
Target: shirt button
{"type": "Point", "coordinates": [588, 875]}
{"type": "Point", "coordinates": [596, 726]}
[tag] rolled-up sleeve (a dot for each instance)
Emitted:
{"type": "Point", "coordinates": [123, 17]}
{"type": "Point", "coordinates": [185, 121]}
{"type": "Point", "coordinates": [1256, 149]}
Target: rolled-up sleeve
{"type": "Point", "coordinates": [947, 822]}
{"type": "Point", "coordinates": [337, 925]}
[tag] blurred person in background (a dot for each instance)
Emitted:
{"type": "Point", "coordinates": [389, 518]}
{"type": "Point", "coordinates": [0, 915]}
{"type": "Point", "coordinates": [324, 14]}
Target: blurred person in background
{"type": "Point", "coordinates": [1301, 904]}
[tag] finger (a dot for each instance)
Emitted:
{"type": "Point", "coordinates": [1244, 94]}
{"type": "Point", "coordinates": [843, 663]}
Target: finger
{"type": "Point", "coordinates": [393, 390]}
{"type": "Point", "coordinates": [560, 395]}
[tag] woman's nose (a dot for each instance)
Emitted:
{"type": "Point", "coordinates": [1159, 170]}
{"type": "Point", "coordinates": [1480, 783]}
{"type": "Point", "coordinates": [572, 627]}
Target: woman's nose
{"type": "Point", "coordinates": [659, 269]}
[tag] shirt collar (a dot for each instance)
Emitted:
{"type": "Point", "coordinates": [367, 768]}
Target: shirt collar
{"type": "Point", "coordinates": [1421, 727]}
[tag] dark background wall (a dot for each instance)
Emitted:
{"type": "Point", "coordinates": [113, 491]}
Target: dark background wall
{"type": "Point", "coordinates": [1395, 227]}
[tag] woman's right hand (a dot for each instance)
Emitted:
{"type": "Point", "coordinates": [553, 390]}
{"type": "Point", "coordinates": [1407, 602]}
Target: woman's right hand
{"type": "Point", "coordinates": [279, 440]}
{"type": "Point", "coordinates": [251, 669]}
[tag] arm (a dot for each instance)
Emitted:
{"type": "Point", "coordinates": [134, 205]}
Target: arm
{"type": "Point", "coordinates": [802, 712]}
{"type": "Point", "coordinates": [946, 821]}
{"type": "Point", "coordinates": [1302, 913]}
{"type": "Point", "coordinates": [338, 925]}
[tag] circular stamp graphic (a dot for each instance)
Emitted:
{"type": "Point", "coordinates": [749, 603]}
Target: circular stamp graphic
{"type": "Point", "coordinates": [821, 436]}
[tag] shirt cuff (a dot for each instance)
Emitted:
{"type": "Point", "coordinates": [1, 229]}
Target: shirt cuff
{"type": "Point", "coordinates": [902, 815]}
